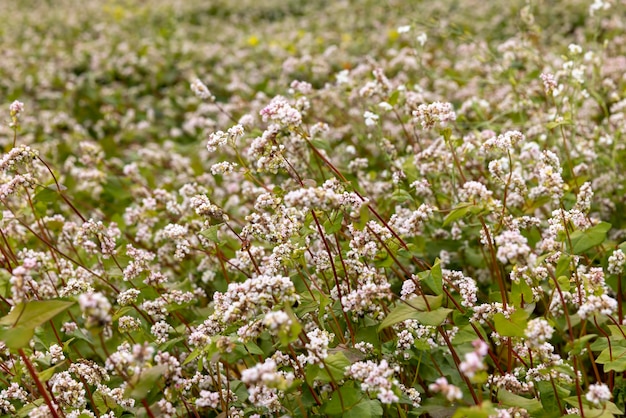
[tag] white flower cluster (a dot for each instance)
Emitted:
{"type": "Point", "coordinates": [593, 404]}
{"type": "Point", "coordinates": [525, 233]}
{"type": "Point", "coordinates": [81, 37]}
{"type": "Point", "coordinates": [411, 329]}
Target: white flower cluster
{"type": "Point", "coordinates": [512, 247]}
{"type": "Point", "coordinates": [256, 295]}
{"type": "Point", "coordinates": [617, 260]}
{"type": "Point", "coordinates": [280, 111]}
{"type": "Point", "coordinates": [434, 114]}
{"type": "Point", "coordinates": [201, 90]}
{"type": "Point", "coordinates": [598, 394]}
{"type": "Point", "coordinates": [19, 155]}
{"type": "Point", "coordinates": [504, 142]}
{"type": "Point", "coordinates": [91, 233]}
{"type": "Point", "coordinates": [375, 377]}
{"type": "Point", "coordinates": [537, 332]}
{"type": "Point", "coordinates": [96, 309]}
{"type": "Point", "coordinates": [594, 305]}
{"type": "Point", "coordinates": [474, 360]}
{"type": "Point", "coordinates": [317, 346]}
{"type": "Point", "coordinates": [451, 392]}
{"type": "Point", "coordinates": [265, 382]}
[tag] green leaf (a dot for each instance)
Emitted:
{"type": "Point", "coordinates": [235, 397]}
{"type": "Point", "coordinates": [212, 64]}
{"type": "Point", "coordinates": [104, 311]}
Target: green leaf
{"type": "Point", "coordinates": [578, 345]}
{"type": "Point", "coordinates": [211, 232]}
{"type": "Point", "coordinates": [433, 278]}
{"type": "Point", "coordinates": [254, 349]}
{"type": "Point", "coordinates": [554, 124]}
{"type": "Point", "coordinates": [409, 310]}
{"type": "Point", "coordinates": [365, 409]}
{"type": "Point", "coordinates": [334, 369]}
{"type": "Point", "coordinates": [317, 143]}
{"type": "Point", "coordinates": [287, 335]}
{"type": "Point", "coordinates": [613, 358]}
{"type": "Point", "coordinates": [335, 225]}
{"type": "Point", "coordinates": [510, 399]}
{"type": "Point", "coordinates": [335, 365]}
{"type": "Point", "coordinates": [457, 213]}
{"type": "Point", "coordinates": [347, 395]}
{"type": "Point", "coordinates": [45, 375]}
{"type": "Point", "coordinates": [393, 99]}
{"type": "Point", "coordinates": [144, 382]}
{"type": "Point", "coordinates": [584, 240]}
{"type": "Point", "coordinates": [17, 337]}
{"type": "Point", "coordinates": [563, 265]}
{"type": "Point", "coordinates": [513, 327]}
{"type": "Point", "coordinates": [47, 194]}
{"type": "Point", "coordinates": [617, 331]}
{"type": "Point", "coordinates": [433, 318]}
{"type": "Point", "coordinates": [401, 195]}
{"type": "Point", "coordinates": [31, 314]}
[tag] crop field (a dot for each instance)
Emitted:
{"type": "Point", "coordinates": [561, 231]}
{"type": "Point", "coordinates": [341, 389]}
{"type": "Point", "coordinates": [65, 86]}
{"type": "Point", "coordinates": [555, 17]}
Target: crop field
{"type": "Point", "coordinates": [285, 208]}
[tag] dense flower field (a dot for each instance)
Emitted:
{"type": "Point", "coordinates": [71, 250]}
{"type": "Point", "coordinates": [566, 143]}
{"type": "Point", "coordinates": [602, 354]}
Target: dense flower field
{"type": "Point", "coordinates": [325, 208]}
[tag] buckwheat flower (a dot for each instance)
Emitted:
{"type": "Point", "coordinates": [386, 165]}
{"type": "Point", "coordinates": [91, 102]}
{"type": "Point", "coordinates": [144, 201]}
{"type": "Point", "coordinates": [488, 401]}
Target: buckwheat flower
{"type": "Point", "coordinates": [166, 409]}
{"type": "Point", "coordinates": [512, 246]}
{"type": "Point", "coordinates": [139, 263]}
{"type": "Point", "coordinates": [128, 324]}
{"type": "Point", "coordinates": [91, 372]}
{"type": "Point", "coordinates": [22, 154]}
{"type": "Point", "coordinates": [301, 87]}
{"type": "Point", "coordinates": [475, 191]}
{"type": "Point", "coordinates": [96, 309]}
{"type": "Point", "coordinates": [66, 390]}
{"type": "Point", "coordinates": [598, 394]}
{"type": "Point", "coordinates": [583, 199]}
{"type": "Point", "coordinates": [69, 327]}
{"type": "Point", "coordinates": [364, 347]}
{"type": "Point", "coordinates": [537, 332]}
{"type": "Point", "coordinates": [279, 110]}
{"type": "Point", "coordinates": [434, 114]}
{"type": "Point", "coordinates": [265, 383]}
{"type": "Point", "coordinates": [603, 304]}
{"type": "Point", "coordinates": [276, 320]}
{"type": "Point", "coordinates": [117, 394]}
{"type": "Point", "coordinates": [474, 361]}
{"type": "Point", "coordinates": [16, 108]}
{"type": "Point", "coordinates": [216, 140]}
{"type": "Point", "coordinates": [223, 168]}
{"type": "Point", "coordinates": [442, 386]}
{"type": "Point", "coordinates": [422, 38]}
{"type": "Point", "coordinates": [503, 142]}
{"type": "Point", "coordinates": [371, 119]}
{"type": "Point", "coordinates": [466, 285]}
{"type": "Point", "coordinates": [161, 331]}
{"type": "Point", "coordinates": [176, 233]}
{"type": "Point", "coordinates": [343, 77]}
{"type": "Point", "coordinates": [317, 347]}
{"type": "Point", "coordinates": [91, 233]}
{"type": "Point", "coordinates": [616, 262]}
{"type": "Point", "coordinates": [599, 5]}
{"type": "Point", "coordinates": [408, 288]}
{"type": "Point", "coordinates": [384, 106]}
{"type": "Point", "coordinates": [13, 392]}
{"type": "Point", "coordinates": [56, 354]}
{"type": "Point", "coordinates": [549, 82]}
{"type": "Point", "coordinates": [208, 399]}
{"type": "Point", "coordinates": [201, 90]}
{"type": "Point", "coordinates": [375, 377]}
{"type": "Point", "coordinates": [127, 297]}
{"type": "Point", "coordinates": [575, 49]}
{"type": "Point", "coordinates": [157, 309]}
{"type": "Point", "coordinates": [203, 207]}
{"type": "Point", "coordinates": [403, 29]}
{"type": "Point", "coordinates": [256, 295]}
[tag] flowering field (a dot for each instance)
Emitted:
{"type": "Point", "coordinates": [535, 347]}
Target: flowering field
{"type": "Point", "coordinates": [326, 208]}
